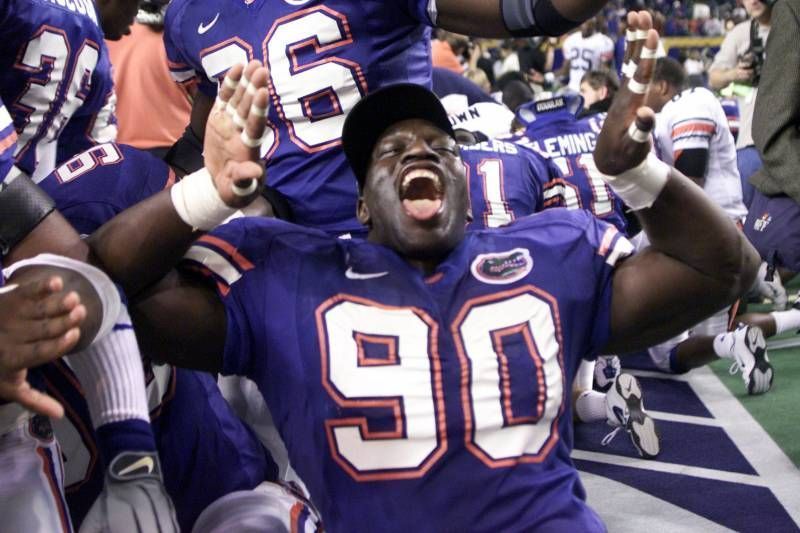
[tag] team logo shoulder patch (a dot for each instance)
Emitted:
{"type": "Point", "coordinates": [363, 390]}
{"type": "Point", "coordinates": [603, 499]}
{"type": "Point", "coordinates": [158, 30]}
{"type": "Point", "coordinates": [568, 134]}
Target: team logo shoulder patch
{"type": "Point", "coordinates": [500, 268]}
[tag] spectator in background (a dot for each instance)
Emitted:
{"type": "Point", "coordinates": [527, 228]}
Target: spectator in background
{"type": "Point", "coordinates": [598, 88]}
{"type": "Point", "coordinates": [773, 224]}
{"type": "Point", "coordinates": [447, 49]}
{"type": "Point", "coordinates": [735, 72]}
{"type": "Point", "coordinates": [152, 110]}
{"type": "Point", "coordinates": [479, 78]}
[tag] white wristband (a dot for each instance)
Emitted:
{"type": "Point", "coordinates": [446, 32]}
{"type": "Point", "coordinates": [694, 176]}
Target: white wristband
{"type": "Point", "coordinates": [640, 186]}
{"type": "Point", "coordinates": [197, 201]}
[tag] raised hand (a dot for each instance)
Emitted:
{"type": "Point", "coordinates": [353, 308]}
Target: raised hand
{"type": "Point", "coordinates": [234, 134]}
{"type": "Point", "coordinates": [624, 141]}
{"type": "Point", "coordinates": [38, 323]}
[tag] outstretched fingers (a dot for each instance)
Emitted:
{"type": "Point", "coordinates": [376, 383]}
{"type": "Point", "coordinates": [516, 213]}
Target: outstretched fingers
{"type": "Point", "coordinates": [15, 387]}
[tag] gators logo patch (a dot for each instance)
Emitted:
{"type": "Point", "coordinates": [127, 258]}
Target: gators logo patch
{"type": "Point", "coordinates": [502, 267]}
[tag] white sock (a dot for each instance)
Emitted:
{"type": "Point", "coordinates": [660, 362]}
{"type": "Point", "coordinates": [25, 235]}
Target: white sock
{"type": "Point", "coordinates": [590, 406]}
{"type": "Point", "coordinates": [786, 320]}
{"type": "Point", "coordinates": [723, 345]}
{"type": "Point", "coordinates": [110, 372]}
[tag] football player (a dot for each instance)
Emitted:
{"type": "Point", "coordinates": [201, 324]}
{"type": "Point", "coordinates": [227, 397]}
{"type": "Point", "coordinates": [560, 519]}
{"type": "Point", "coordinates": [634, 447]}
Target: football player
{"type": "Point", "coordinates": [55, 76]}
{"type": "Point", "coordinates": [414, 411]}
{"type": "Point", "coordinates": [585, 50]}
{"type": "Point", "coordinates": [206, 452]}
{"type": "Point", "coordinates": [29, 227]}
{"type": "Point", "coordinates": [324, 57]}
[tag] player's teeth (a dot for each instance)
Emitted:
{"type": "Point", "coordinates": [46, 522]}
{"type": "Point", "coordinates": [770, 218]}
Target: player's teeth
{"type": "Point", "coordinates": [419, 173]}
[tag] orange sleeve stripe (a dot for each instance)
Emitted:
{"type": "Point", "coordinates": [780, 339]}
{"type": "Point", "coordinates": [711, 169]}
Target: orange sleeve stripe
{"type": "Point", "coordinates": [8, 140]}
{"type": "Point", "coordinates": [240, 260]}
{"type": "Point", "coordinates": [699, 127]}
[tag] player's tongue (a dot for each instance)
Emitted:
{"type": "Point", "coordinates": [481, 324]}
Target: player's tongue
{"type": "Point", "coordinates": [421, 195]}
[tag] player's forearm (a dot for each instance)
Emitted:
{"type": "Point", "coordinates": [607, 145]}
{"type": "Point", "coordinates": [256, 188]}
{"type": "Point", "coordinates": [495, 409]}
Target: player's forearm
{"type": "Point", "coordinates": [684, 224]}
{"type": "Point", "coordinates": [501, 18]}
{"type": "Point", "coordinates": [141, 244]}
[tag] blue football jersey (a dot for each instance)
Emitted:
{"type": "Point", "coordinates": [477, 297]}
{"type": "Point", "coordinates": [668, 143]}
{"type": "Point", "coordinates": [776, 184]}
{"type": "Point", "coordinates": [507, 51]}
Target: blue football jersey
{"type": "Point", "coordinates": [505, 182]}
{"type": "Point", "coordinates": [205, 450]}
{"type": "Point", "coordinates": [553, 131]}
{"type": "Point", "coordinates": [323, 57]}
{"type": "Point", "coordinates": [55, 78]}
{"type": "Point", "coordinates": [8, 142]}
{"type": "Point", "coordinates": [422, 403]}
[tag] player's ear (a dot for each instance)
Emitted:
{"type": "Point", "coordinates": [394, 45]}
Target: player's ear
{"type": "Point", "coordinates": [362, 211]}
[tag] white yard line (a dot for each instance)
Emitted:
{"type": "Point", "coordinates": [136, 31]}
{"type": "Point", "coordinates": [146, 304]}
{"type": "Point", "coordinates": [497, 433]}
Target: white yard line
{"type": "Point", "coordinates": [773, 466]}
{"type": "Point", "coordinates": [684, 419]}
{"type": "Point", "coordinates": [669, 468]}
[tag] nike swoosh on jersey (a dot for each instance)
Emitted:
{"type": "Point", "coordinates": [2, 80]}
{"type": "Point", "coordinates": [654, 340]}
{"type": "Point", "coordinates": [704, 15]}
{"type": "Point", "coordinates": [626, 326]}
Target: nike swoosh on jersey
{"type": "Point", "coordinates": [202, 28]}
{"type": "Point", "coordinates": [144, 462]}
{"type": "Point", "coordinates": [349, 274]}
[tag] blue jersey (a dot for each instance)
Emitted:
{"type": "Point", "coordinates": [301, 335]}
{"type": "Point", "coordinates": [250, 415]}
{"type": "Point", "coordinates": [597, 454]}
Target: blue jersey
{"type": "Point", "coordinates": [205, 450]}
{"type": "Point", "coordinates": [506, 182]}
{"type": "Point", "coordinates": [8, 142]}
{"type": "Point", "coordinates": [55, 77]}
{"type": "Point", "coordinates": [429, 403]}
{"type": "Point", "coordinates": [552, 130]}
{"type": "Point", "coordinates": [323, 57]}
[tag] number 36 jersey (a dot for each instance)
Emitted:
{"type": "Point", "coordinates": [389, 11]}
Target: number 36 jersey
{"type": "Point", "coordinates": [323, 57]}
{"type": "Point", "coordinates": [413, 403]}
{"type": "Point", "coordinates": [55, 78]}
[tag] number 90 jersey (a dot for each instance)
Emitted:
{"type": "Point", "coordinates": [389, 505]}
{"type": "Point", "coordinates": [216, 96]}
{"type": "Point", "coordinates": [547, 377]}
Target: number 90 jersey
{"type": "Point", "coordinates": [413, 403]}
{"type": "Point", "coordinates": [55, 78]}
{"type": "Point", "coordinates": [323, 57]}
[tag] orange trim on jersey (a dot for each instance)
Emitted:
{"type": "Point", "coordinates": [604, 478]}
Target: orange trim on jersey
{"type": "Point", "coordinates": [391, 403]}
{"type": "Point", "coordinates": [700, 127]}
{"type": "Point", "coordinates": [171, 178]}
{"type": "Point", "coordinates": [505, 375]}
{"type": "Point", "coordinates": [605, 243]}
{"type": "Point", "coordinates": [435, 278]}
{"type": "Point", "coordinates": [466, 393]}
{"type": "Point", "coordinates": [222, 287]}
{"type": "Point", "coordinates": [57, 495]}
{"type": "Point", "coordinates": [389, 342]}
{"type": "Point", "coordinates": [294, 517]}
{"type": "Point", "coordinates": [8, 140]}
{"type": "Point", "coordinates": [233, 253]}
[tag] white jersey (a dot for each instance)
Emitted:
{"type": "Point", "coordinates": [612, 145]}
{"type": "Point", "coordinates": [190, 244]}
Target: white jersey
{"type": "Point", "coordinates": [488, 118]}
{"type": "Point", "coordinates": [585, 54]}
{"type": "Point", "coordinates": [695, 119]}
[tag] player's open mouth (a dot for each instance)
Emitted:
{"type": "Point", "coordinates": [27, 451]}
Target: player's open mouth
{"type": "Point", "coordinates": [421, 192]}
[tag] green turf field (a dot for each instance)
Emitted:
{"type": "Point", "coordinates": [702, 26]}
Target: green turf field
{"type": "Point", "coordinates": [777, 411]}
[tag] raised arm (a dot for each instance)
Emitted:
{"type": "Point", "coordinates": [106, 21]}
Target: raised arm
{"type": "Point", "coordinates": [698, 260]}
{"type": "Point", "coordinates": [142, 243]}
{"type": "Point", "coordinates": [502, 18]}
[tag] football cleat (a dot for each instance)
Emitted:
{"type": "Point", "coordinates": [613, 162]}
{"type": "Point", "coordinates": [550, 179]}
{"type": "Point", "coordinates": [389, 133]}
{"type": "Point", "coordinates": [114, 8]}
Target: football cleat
{"type": "Point", "coordinates": [750, 357]}
{"type": "Point", "coordinates": [625, 410]}
{"type": "Point", "coordinates": [606, 370]}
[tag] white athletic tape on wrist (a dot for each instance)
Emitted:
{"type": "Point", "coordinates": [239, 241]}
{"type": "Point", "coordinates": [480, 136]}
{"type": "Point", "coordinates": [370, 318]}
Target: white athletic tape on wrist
{"type": "Point", "coordinates": [638, 135]}
{"type": "Point", "coordinates": [629, 69]}
{"type": "Point", "coordinates": [197, 201]}
{"type": "Point", "coordinates": [637, 87]}
{"type": "Point", "coordinates": [640, 186]}
{"type": "Point", "coordinates": [245, 191]}
{"type": "Point", "coordinates": [649, 53]}
{"type": "Point", "coordinates": [100, 282]}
